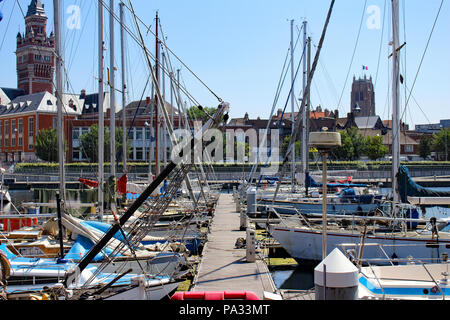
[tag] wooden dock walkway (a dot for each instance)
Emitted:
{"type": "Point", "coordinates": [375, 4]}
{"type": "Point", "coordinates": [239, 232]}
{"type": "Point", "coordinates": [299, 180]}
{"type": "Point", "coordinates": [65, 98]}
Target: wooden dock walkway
{"type": "Point", "coordinates": [223, 267]}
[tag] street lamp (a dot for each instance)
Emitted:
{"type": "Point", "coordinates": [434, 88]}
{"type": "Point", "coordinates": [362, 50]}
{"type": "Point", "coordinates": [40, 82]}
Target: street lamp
{"type": "Point", "coordinates": [324, 141]}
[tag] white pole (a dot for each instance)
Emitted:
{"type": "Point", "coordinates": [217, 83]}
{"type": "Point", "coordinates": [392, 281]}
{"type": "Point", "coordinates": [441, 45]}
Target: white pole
{"type": "Point", "coordinates": [58, 94]}
{"type": "Point", "coordinates": [292, 107]}
{"type": "Point", "coordinates": [304, 119]}
{"type": "Point", "coordinates": [164, 131]}
{"type": "Point", "coordinates": [395, 101]}
{"type": "Point", "coordinates": [179, 98]}
{"type": "Point", "coordinates": [124, 86]}
{"type": "Point", "coordinates": [112, 99]}
{"type": "Point", "coordinates": [101, 123]}
{"type": "Point", "coordinates": [324, 205]}
{"type": "Point", "coordinates": [171, 99]}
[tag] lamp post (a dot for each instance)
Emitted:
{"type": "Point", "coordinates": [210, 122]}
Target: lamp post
{"type": "Point", "coordinates": [324, 141]}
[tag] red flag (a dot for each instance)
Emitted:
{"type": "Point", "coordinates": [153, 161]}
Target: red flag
{"type": "Point", "coordinates": [122, 184]}
{"type": "Point", "coordinates": [89, 183]}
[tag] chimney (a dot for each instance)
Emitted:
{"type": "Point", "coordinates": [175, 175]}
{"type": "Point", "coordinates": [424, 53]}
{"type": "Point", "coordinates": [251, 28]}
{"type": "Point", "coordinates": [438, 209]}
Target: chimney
{"type": "Point", "coordinates": [336, 113]}
{"type": "Point", "coordinates": [83, 94]}
{"type": "Point", "coordinates": [147, 100]}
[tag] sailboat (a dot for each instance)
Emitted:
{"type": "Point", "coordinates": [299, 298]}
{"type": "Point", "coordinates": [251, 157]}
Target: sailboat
{"type": "Point", "coordinates": [28, 278]}
{"type": "Point", "coordinates": [303, 240]}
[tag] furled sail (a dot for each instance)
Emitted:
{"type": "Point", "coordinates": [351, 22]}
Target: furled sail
{"type": "Point", "coordinates": [408, 188]}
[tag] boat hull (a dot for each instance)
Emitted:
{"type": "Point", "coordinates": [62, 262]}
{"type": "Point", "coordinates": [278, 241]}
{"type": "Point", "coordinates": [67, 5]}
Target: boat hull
{"type": "Point", "coordinates": [306, 244]}
{"type": "Point", "coordinates": [285, 207]}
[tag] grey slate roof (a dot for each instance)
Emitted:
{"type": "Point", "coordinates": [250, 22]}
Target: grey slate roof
{"type": "Point", "coordinates": [41, 102]}
{"type": "Point", "coordinates": [372, 122]}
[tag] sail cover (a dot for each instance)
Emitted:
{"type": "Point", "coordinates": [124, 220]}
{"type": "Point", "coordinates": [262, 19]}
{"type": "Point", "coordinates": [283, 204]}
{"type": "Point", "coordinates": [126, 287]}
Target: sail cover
{"type": "Point", "coordinates": [408, 188]}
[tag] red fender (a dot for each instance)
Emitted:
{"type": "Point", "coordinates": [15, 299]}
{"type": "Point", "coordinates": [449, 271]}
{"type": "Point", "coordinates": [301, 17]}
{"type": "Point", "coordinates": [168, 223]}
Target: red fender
{"type": "Point", "coordinates": [215, 295]}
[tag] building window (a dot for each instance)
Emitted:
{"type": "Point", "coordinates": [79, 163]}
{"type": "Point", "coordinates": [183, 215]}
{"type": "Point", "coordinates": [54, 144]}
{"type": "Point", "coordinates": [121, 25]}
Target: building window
{"type": "Point", "coordinates": [138, 133]}
{"type": "Point", "coordinates": [1, 133]}
{"type": "Point", "coordinates": [13, 133]}
{"type": "Point", "coordinates": [75, 133]}
{"type": "Point", "coordinates": [31, 127]}
{"type": "Point", "coordinates": [20, 125]}
{"type": "Point", "coordinates": [30, 133]}
{"type": "Point", "coordinates": [76, 154]}
{"type": "Point", "coordinates": [409, 148]}
{"type": "Point", "coordinates": [6, 133]}
{"type": "Point", "coordinates": [54, 122]}
{"type": "Point", "coordinates": [361, 96]}
{"type": "Point", "coordinates": [139, 154]}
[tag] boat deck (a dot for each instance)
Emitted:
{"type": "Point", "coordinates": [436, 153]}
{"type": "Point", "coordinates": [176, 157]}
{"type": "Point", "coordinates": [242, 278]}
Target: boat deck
{"type": "Point", "coordinates": [223, 267]}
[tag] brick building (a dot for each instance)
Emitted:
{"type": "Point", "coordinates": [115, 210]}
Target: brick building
{"type": "Point", "coordinates": [35, 52]}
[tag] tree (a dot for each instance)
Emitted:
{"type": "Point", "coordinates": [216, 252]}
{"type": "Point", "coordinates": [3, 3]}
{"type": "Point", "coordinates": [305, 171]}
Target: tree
{"type": "Point", "coordinates": [47, 145]}
{"type": "Point", "coordinates": [425, 146]}
{"type": "Point", "coordinates": [346, 150]}
{"type": "Point", "coordinates": [441, 143]}
{"type": "Point", "coordinates": [374, 148]}
{"type": "Point", "coordinates": [194, 113]}
{"type": "Point", "coordinates": [286, 143]}
{"type": "Point", "coordinates": [352, 147]}
{"type": "Point", "coordinates": [89, 143]}
{"type": "Point", "coordinates": [358, 142]}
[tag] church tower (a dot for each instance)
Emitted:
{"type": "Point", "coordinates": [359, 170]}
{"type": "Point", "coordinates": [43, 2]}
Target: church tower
{"type": "Point", "coordinates": [35, 52]}
{"type": "Point", "coordinates": [363, 97]}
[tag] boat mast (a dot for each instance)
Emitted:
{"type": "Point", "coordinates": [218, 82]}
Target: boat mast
{"type": "Point", "coordinates": [395, 101]}
{"type": "Point", "coordinates": [101, 123]}
{"type": "Point", "coordinates": [307, 106]}
{"type": "Point", "coordinates": [292, 108]}
{"type": "Point", "coordinates": [157, 55]}
{"type": "Point", "coordinates": [304, 118]}
{"type": "Point", "coordinates": [112, 99]}
{"type": "Point", "coordinates": [58, 94]}
{"type": "Point", "coordinates": [124, 87]}
{"type": "Point", "coordinates": [164, 131]}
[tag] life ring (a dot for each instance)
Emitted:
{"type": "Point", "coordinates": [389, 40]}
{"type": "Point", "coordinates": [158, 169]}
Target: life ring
{"type": "Point", "coordinates": [6, 267]}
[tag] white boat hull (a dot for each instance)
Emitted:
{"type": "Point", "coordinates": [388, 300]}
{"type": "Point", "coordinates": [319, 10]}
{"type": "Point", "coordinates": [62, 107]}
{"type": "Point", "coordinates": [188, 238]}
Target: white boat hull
{"type": "Point", "coordinates": [306, 244]}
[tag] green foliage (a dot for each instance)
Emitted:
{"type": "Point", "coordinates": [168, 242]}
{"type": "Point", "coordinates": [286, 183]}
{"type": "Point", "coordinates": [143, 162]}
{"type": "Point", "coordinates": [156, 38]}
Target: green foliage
{"type": "Point", "coordinates": [346, 151]}
{"type": "Point", "coordinates": [285, 146]}
{"type": "Point", "coordinates": [358, 142]}
{"type": "Point", "coordinates": [375, 148]}
{"type": "Point", "coordinates": [194, 113]}
{"type": "Point", "coordinates": [425, 146]}
{"type": "Point", "coordinates": [47, 145]}
{"type": "Point", "coordinates": [89, 143]}
{"type": "Point", "coordinates": [441, 143]}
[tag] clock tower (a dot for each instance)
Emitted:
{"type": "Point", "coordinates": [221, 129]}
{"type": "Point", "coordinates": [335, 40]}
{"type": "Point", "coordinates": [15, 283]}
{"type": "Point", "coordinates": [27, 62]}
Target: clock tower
{"type": "Point", "coordinates": [35, 52]}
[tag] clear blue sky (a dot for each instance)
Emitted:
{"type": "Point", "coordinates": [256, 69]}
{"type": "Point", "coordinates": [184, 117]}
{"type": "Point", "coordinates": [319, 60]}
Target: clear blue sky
{"type": "Point", "coordinates": [238, 49]}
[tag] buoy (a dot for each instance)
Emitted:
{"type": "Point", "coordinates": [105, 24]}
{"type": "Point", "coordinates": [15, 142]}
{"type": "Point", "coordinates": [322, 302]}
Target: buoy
{"type": "Point", "coordinates": [336, 278]}
{"type": "Point", "coordinates": [215, 295]}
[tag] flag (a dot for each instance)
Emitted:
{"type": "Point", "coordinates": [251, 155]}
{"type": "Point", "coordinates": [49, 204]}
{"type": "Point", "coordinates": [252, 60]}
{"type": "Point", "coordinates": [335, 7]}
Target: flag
{"type": "Point", "coordinates": [365, 67]}
{"type": "Point", "coordinates": [122, 184]}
